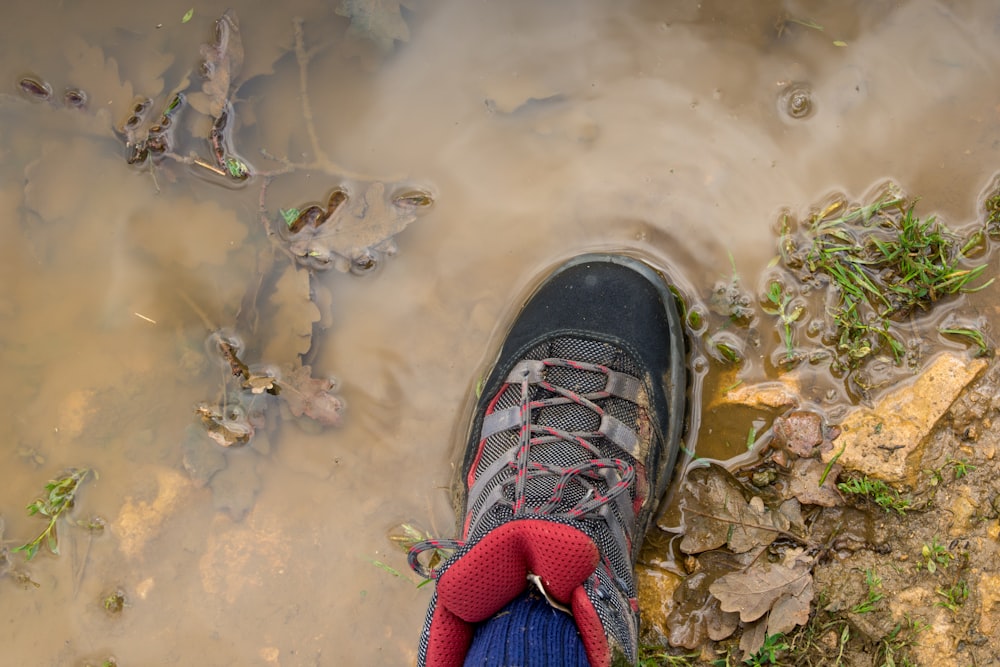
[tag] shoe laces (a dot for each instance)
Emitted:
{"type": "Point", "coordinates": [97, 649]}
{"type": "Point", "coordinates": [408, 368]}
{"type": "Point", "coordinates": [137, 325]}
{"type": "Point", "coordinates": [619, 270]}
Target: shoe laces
{"type": "Point", "coordinates": [582, 484]}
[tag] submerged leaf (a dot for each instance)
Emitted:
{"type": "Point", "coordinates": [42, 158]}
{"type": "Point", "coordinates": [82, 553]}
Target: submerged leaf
{"type": "Point", "coordinates": [353, 232]}
{"type": "Point", "coordinates": [223, 62]}
{"type": "Point", "coordinates": [378, 20]}
{"type": "Point", "coordinates": [309, 396]}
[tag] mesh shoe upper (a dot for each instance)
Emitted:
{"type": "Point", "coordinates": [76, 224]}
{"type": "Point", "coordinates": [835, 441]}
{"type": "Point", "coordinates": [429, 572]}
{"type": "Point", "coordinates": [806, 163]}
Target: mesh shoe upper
{"type": "Point", "coordinates": [570, 449]}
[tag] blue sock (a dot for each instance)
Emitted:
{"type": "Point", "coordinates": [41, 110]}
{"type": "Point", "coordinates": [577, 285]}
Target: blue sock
{"type": "Point", "coordinates": [528, 632]}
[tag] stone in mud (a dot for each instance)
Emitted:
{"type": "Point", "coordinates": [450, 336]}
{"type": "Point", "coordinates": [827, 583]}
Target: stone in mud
{"type": "Point", "coordinates": [764, 395]}
{"type": "Point", "coordinates": [799, 432]}
{"type": "Point", "coordinates": [887, 441]}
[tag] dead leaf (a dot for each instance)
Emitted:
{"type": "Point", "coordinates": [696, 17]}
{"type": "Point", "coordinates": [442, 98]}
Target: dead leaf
{"type": "Point", "coordinates": [754, 636]}
{"type": "Point", "coordinates": [355, 233]}
{"type": "Point", "coordinates": [99, 76]}
{"type": "Point", "coordinates": [695, 615]}
{"type": "Point", "coordinates": [786, 587]}
{"type": "Point", "coordinates": [804, 483]}
{"type": "Point", "coordinates": [309, 396]}
{"type": "Point", "coordinates": [716, 512]}
{"type": "Point", "coordinates": [381, 21]}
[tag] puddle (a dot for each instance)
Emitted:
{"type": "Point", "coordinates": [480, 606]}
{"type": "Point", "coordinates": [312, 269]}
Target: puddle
{"type": "Point", "coordinates": [540, 132]}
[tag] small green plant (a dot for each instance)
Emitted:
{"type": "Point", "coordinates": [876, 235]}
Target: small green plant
{"type": "Point", "coordinates": [892, 648]}
{"type": "Point", "coordinates": [874, 584]}
{"type": "Point", "coordinates": [780, 301]}
{"type": "Point", "coordinates": [114, 603]}
{"type": "Point", "coordinates": [769, 652]}
{"type": "Point", "coordinates": [883, 263]}
{"type": "Point", "coordinates": [656, 656]}
{"type": "Point", "coordinates": [954, 596]}
{"type": "Point", "coordinates": [974, 335]}
{"type": "Point", "coordinates": [877, 491]}
{"type": "Point", "coordinates": [61, 496]}
{"type": "Point", "coordinates": [935, 555]}
{"type": "Point", "coordinates": [961, 466]}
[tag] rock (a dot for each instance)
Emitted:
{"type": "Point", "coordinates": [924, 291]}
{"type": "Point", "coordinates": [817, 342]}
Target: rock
{"type": "Point", "coordinates": [656, 588]}
{"type": "Point", "coordinates": [799, 432]}
{"type": "Point", "coordinates": [773, 395]}
{"type": "Point", "coordinates": [887, 441]}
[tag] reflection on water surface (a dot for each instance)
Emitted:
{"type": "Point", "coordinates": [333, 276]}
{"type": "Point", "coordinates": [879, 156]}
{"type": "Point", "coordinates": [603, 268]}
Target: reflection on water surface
{"type": "Point", "coordinates": [539, 130]}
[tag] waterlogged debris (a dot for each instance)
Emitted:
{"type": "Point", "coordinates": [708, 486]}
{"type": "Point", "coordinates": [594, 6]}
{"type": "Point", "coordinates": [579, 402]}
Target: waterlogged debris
{"type": "Point", "coordinates": [353, 233]}
{"type": "Point", "coordinates": [223, 60]}
{"type": "Point", "coordinates": [381, 21]}
{"type": "Point", "coordinates": [227, 426]}
{"type": "Point", "coordinates": [188, 15]}
{"type": "Point", "coordinates": [220, 138]}
{"type": "Point", "coordinates": [59, 499]}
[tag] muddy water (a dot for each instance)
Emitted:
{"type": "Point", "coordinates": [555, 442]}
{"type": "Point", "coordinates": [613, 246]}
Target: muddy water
{"type": "Point", "coordinates": [542, 129]}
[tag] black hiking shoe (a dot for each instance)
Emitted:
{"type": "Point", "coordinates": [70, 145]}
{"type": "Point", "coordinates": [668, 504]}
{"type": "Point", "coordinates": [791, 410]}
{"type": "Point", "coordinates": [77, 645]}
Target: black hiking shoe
{"type": "Point", "coordinates": [572, 444]}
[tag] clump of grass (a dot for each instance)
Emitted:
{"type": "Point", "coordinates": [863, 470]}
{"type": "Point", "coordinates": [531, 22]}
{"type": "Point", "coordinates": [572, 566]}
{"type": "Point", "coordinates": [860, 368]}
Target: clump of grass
{"type": "Point", "coordinates": [884, 263]}
{"type": "Point", "coordinates": [877, 492]}
{"type": "Point", "coordinates": [874, 596]}
{"type": "Point", "coordinates": [770, 652]}
{"type": "Point", "coordinates": [954, 596]}
{"type": "Point", "coordinates": [779, 301]}
{"type": "Point", "coordinates": [892, 649]}
{"type": "Point", "coordinates": [61, 494]}
{"type": "Point", "coordinates": [655, 656]}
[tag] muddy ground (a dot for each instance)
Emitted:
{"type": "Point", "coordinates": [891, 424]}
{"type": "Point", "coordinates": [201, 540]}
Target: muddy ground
{"type": "Point", "coordinates": [914, 586]}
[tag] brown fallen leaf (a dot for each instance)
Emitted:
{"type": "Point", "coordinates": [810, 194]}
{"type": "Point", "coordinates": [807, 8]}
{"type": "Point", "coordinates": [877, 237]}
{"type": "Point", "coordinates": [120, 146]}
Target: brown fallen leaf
{"type": "Point", "coordinates": [694, 614]}
{"type": "Point", "coordinates": [717, 512]}
{"type": "Point", "coordinates": [785, 589]}
{"type": "Point", "coordinates": [803, 483]}
{"type": "Point", "coordinates": [753, 637]}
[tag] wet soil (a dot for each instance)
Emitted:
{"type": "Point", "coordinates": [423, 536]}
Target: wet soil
{"type": "Point", "coordinates": [679, 131]}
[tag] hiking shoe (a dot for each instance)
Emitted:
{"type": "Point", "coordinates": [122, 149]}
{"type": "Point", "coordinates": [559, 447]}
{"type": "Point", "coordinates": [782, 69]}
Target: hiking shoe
{"type": "Point", "coordinates": [572, 444]}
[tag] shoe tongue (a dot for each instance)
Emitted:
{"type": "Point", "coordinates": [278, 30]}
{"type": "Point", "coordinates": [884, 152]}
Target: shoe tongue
{"type": "Point", "coordinates": [495, 570]}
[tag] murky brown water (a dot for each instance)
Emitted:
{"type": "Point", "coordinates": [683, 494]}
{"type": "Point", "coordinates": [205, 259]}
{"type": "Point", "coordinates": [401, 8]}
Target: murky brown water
{"type": "Point", "coordinates": [543, 129]}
